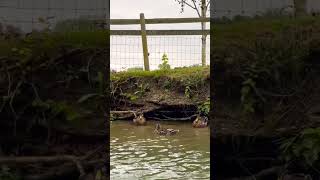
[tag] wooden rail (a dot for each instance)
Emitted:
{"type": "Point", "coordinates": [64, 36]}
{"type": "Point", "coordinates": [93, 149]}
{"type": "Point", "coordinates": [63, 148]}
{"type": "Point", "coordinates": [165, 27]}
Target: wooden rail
{"type": "Point", "coordinates": [159, 32]}
{"type": "Point", "coordinates": [144, 33]}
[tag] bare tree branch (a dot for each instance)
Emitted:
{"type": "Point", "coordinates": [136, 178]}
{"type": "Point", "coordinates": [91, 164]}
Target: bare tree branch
{"type": "Point", "coordinates": [208, 4]}
{"type": "Point", "coordinates": [185, 2]}
{"type": "Point", "coordinates": [196, 8]}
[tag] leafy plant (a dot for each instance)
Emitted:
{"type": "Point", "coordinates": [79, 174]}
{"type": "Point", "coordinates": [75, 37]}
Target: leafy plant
{"type": "Point", "coordinates": [204, 108]}
{"type": "Point", "coordinates": [167, 84]}
{"type": "Point", "coordinates": [304, 146]}
{"type": "Point", "coordinates": [165, 65]}
{"type": "Point", "coordinates": [193, 84]}
{"type": "Point", "coordinates": [187, 91]}
{"type": "Point", "coordinates": [141, 89]}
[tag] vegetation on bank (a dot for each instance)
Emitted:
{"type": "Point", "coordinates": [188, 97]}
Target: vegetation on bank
{"type": "Point", "coordinates": [183, 72]}
{"type": "Point", "coordinates": [269, 67]}
{"type": "Point", "coordinates": [182, 85]}
{"type": "Point", "coordinates": [44, 79]}
{"type": "Point", "coordinates": [264, 57]}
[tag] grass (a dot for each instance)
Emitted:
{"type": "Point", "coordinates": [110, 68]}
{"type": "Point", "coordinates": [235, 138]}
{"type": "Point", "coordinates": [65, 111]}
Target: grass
{"type": "Point", "coordinates": [171, 73]}
{"type": "Point", "coordinates": [52, 41]}
{"type": "Point", "coordinates": [247, 29]}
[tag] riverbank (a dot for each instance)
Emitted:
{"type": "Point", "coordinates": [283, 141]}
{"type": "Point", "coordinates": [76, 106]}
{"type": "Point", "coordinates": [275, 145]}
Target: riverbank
{"type": "Point", "coordinates": [266, 94]}
{"type": "Point", "coordinates": [176, 93]}
{"type": "Point", "coordinates": [45, 79]}
{"type": "Point", "coordinates": [265, 91]}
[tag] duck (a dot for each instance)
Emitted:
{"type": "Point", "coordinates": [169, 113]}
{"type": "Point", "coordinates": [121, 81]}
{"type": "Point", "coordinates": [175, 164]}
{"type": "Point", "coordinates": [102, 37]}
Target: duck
{"type": "Point", "coordinates": [200, 122]}
{"type": "Point", "coordinates": [139, 120]}
{"type": "Point", "coordinates": [161, 131]}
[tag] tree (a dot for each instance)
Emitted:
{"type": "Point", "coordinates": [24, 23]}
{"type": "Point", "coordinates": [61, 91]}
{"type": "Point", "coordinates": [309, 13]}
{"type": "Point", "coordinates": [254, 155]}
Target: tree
{"type": "Point", "coordinates": [201, 7]}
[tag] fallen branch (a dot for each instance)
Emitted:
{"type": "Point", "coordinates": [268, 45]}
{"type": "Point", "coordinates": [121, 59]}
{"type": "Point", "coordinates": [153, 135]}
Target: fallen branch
{"type": "Point", "coordinates": [123, 112]}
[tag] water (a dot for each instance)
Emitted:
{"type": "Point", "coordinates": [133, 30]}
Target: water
{"type": "Point", "coordinates": [138, 153]}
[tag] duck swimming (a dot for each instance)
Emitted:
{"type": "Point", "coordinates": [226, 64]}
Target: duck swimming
{"type": "Point", "coordinates": [200, 122]}
{"type": "Point", "coordinates": [140, 120]}
{"type": "Point", "coordinates": [161, 131]}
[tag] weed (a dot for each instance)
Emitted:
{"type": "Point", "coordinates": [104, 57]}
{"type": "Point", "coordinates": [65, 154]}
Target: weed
{"type": "Point", "coordinates": [165, 65]}
{"type": "Point", "coordinates": [204, 108]}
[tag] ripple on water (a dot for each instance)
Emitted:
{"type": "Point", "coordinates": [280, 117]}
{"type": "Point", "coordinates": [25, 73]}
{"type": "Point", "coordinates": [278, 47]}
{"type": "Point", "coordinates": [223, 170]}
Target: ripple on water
{"type": "Point", "coordinates": [141, 154]}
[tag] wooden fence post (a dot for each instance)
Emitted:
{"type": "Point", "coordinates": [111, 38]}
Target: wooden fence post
{"type": "Point", "coordinates": [144, 42]}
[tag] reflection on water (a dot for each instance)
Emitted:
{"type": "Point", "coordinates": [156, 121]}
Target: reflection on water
{"type": "Point", "coordinates": [138, 153]}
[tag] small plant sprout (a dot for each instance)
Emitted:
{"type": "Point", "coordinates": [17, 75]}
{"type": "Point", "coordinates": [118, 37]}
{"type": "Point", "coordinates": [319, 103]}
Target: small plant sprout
{"type": "Point", "coordinates": [165, 65]}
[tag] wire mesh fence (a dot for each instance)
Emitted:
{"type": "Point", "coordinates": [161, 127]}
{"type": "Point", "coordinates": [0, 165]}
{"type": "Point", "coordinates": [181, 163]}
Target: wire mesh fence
{"type": "Point", "coordinates": [66, 14]}
{"type": "Point", "coordinates": [183, 50]}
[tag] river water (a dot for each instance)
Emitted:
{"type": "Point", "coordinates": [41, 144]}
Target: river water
{"type": "Point", "coordinates": [138, 153]}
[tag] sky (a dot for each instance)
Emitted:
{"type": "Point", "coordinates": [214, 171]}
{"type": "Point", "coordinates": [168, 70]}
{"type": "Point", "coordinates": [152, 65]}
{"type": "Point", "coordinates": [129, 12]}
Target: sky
{"type": "Point", "coordinates": [181, 50]}
{"type": "Point", "coordinates": [129, 9]}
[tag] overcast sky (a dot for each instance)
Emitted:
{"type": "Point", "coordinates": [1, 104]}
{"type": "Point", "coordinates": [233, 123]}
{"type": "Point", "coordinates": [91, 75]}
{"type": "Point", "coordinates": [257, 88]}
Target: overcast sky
{"type": "Point", "coordinates": [129, 9]}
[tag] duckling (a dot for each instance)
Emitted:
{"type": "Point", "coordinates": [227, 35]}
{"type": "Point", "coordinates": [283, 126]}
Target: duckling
{"type": "Point", "coordinates": [160, 131]}
{"type": "Point", "coordinates": [200, 122]}
{"type": "Point", "coordinates": [139, 120]}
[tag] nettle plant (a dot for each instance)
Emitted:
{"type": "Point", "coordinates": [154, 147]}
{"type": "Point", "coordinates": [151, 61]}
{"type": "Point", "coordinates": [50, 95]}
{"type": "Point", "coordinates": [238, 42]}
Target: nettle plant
{"type": "Point", "coordinates": [165, 64]}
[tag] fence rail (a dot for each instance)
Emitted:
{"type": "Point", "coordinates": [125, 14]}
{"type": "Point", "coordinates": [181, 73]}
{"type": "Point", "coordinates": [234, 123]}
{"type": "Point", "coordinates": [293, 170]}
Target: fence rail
{"type": "Point", "coordinates": [144, 33]}
{"type": "Point", "coordinates": [160, 32]}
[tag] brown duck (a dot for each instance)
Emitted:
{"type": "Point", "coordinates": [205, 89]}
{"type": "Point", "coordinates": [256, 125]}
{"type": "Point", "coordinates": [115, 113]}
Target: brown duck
{"type": "Point", "coordinates": [139, 120]}
{"type": "Point", "coordinates": [161, 131]}
{"type": "Point", "coordinates": [200, 122]}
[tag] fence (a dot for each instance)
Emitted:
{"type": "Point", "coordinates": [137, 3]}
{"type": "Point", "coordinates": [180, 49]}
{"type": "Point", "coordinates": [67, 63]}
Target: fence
{"type": "Point", "coordinates": [25, 14]}
{"type": "Point", "coordinates": [145, 48]}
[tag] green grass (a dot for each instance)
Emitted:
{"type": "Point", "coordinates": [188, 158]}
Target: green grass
{"type": "Point", "coordinates": [53, 41]}
{"type": "Point", "coordinates": [247, 29]}
{"type": "Point", "coordinates": [172, 73]}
